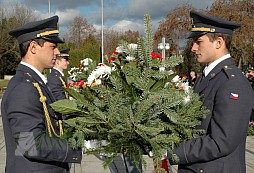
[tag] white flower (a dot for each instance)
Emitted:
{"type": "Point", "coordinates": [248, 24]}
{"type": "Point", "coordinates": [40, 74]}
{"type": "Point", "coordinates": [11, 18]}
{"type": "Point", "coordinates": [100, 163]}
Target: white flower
{"type": "Point", "coordinates": [170, 72]}
{"type": "Point", "coordinates": [186, 99]}
{"type": "Point", "coordinates": [102, 71]}
{"type": "Point", "coordinates": [162, 69]}
{"type": "Point", "coordinates": [119, 49]}
{"type": "Point", "coordinates": [130, 58]}
{"type": "Point", "coordinates": [186, 88]}
{"type": "Point", "coordinates": [98, 81]}
{"type": "Point", "coordinates": [132, 46]}
{"type": "Point", "coordinates": [86, 61]}
{"type": "Point", "coordinates": [175, 79]}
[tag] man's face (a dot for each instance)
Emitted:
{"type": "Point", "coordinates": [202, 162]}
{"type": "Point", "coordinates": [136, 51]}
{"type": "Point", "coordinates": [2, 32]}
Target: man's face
{"type": "Point", "coordinates": [249, 74]}
{"type": "Point", "coordinates": [204, 49]}
{"type": "Point", "coordinates": [47, 54]}
{"type": "Point", "coordinates": [62, 63]}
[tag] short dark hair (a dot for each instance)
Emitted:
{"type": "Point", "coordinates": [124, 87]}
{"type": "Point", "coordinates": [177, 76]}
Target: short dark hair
{"type": "Point", "coordinates": [226, 37]}
{"type": "Point", "coordinates": [23, 47]}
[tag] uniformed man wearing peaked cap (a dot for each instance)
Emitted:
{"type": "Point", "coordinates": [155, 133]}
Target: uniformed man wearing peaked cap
{"type": "Point", "coordinates": [226, 92]}
{"type": "Point", "coordinates": [33, 131]}
{"type": "Point", "coordinates": [56, 79]}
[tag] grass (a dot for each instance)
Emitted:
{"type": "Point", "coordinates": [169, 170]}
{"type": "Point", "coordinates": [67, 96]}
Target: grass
{"type": "Point", "coordinates": [3, 85]}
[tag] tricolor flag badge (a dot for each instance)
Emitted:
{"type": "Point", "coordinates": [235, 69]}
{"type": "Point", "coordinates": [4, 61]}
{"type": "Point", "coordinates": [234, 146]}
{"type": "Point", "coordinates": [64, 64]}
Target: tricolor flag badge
{"type": "Point", "coordinates": [233, 96]}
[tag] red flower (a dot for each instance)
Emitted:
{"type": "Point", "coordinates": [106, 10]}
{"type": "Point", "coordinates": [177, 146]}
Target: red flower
{"type": "Point", "coordinates": [111, 59]}
{"type": "Point", "coordinates": [68, 85]}
{"type": "Point", "coordinates": [156, 55]}
{"type": "Point", "coordinates": [115, 52]}
{"type": "Point", "coordinates": [101, 64]}
{"type": "Point", "coordinates": [79, 65]}
{"type": "Point", "coordinates": [153, 55]}
{"type": "Point", "coordinates": [185, 77]}
{"type": "Point", "coordinates": [74, 83]}
{"type": "Point", "coordinates": [105, 54]}
{"type": "Point", "coordinates": [81, 83]}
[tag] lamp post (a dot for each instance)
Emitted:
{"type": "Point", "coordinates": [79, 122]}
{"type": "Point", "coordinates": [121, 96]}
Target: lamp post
{"type": "Point", "coordinates": [163, 46]}
{"type": "Point", "coordinates": [49, 8]}
{"type": "Point", "coordinates": [102, 47]}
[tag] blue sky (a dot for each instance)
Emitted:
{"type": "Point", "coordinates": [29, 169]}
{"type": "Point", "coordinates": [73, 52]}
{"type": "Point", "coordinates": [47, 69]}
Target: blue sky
{"type": "Point", "coordinates": [118, 14]}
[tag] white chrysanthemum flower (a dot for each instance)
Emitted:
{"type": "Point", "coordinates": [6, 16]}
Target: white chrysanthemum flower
{"type": "Point", "coordinates": [132, 46]}
{"type": "Point", "coordinates": [162, 69]}
{"type": "Point", "coordinates": [187, 99]}
{"type": "Point", "coordinates": [101, 71]}
{"type": "Point", "coordinates": [86, 61]}
{"type": "Point", "coordinates": [186, 88]}
{"type": "Point", "coordinates": [170, 72]}
{"type": "Point", "coordinates": [119, 49]}
{"type": "Point", "coordinates": [175, 79]}
{"type": "Point", "coordinates": [130, 58]}
{"type": "Point", "coordinates": [98, 81]}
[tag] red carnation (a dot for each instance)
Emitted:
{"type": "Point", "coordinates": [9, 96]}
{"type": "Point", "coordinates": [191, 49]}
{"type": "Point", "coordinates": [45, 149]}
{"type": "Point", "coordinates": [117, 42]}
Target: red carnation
{"type": "Point", "coordinates": [111, 59]}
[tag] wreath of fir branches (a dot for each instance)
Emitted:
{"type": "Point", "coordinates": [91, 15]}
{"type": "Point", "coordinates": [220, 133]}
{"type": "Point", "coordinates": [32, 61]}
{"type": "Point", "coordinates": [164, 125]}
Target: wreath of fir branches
{"type": "Point", "coordinates": [133, 108]}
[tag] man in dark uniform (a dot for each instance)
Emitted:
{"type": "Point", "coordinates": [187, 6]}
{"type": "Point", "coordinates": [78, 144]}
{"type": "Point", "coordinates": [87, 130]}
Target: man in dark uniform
{"type": "Point", "coordinates": [250, 76]}
{"type": "Point", "coordinates": [225, 91]}
{"type": "Point", "coordinates": [56, 79]}
{"type": "Point", "coordinates": [32, 129]}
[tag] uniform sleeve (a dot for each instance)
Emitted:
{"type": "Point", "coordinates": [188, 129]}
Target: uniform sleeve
{"type": "Point", "coordinates": [56, 87]}
{"type": "Point", "coordinates": [228, 124]}
{"type": "Point", "coordinates": [27, 123]}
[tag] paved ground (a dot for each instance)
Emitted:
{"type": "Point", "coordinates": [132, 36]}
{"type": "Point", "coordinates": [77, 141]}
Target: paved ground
{"type": "Point", "coordinates": [93, 164]}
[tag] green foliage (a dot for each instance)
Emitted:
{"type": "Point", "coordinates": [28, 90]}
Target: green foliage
{"type": "Point", "coordinates": [135, 107]}
{"type": "Point", "coordinates": [251, 129]}
{"type": "Point", "coordinates": [89, 48]}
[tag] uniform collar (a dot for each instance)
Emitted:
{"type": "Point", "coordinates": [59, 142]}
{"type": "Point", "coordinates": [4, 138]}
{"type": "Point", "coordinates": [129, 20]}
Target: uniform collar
{"type": "Point", "coordinates": [209, 68]}
{"type": "Point", "coordinates": [44, 79]}
{"type": "Point", "coordinates": [58, 71]}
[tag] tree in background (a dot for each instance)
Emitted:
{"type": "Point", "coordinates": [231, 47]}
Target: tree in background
{"type": "Point", "coordinates": [241, 12]}
{"type": "Point", "coordinates": [112, 38]}
{"type": "Point", "coordinates": [175, 27]}
{"type": "Point", "coordinates": [79, 30]}
{"type": "Point", "coordinates": [11, 16]}
{"type": "Point", "coordinates": [88, 48]}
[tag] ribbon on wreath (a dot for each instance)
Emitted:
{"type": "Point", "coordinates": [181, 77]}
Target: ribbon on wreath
{"type": "Point", "coordinates": [161, 166]}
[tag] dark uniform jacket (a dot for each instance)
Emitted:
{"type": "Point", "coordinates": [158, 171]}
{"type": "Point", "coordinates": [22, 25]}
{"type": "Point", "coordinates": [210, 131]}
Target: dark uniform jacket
{"type": "Point", "coordinates": [227, 94]}
{"type": "Point", "coordinates": [56, 85]}
{"type": "Point", "coordinates": [29, 148]}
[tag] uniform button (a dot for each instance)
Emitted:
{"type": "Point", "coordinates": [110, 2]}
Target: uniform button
{"type": "Point", "coordinates": [201, 171]}
{"type": "Point", "coordinates": [225, 67]}
{"type": "Point", "coordinates": [232, 75]}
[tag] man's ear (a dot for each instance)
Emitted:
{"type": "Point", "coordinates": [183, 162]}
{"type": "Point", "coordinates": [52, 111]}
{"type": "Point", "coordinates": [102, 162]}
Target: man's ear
{"type": "Point", "coordinates": [32, 47]}
{"type": "Point", "coordinates": [219, 42]}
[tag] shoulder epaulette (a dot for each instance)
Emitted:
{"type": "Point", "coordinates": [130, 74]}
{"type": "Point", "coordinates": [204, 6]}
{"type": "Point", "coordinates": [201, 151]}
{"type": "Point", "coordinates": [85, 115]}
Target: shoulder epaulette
{"type": "Point", "coordinates": [228, 70]}
{"type": "Point", "coordinates": [28, 78]}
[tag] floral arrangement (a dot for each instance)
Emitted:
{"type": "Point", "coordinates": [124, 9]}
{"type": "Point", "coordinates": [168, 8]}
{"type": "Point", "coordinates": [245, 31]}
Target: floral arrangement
{"type": "Point", "coordinates": [137, 104]}
{"type": "Point", "coordinates": [83, 70]}
{"type": "Point", "coordinates": [251, 129]}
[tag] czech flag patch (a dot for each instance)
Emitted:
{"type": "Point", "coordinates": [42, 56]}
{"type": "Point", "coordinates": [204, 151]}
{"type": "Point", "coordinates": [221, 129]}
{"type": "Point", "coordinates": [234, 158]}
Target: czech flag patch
{"type": "Point", "coordinates": [233, 96]}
